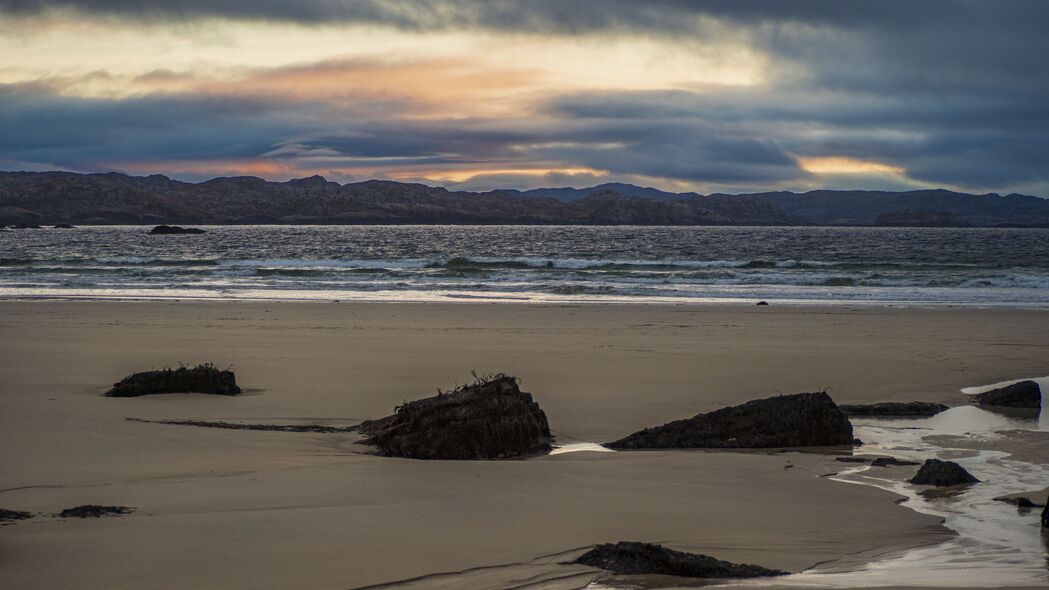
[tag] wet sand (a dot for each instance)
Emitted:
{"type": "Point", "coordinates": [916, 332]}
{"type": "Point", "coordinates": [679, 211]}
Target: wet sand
{"type": "Point", "coordinates": [254, 509]}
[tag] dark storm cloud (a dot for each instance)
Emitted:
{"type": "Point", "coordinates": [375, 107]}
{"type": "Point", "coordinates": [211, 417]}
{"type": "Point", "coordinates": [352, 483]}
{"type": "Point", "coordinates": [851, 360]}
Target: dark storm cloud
{"type": "Point", "coordinates": [981, 141]}
{"type": "Point", "coordinates": [568, 15]}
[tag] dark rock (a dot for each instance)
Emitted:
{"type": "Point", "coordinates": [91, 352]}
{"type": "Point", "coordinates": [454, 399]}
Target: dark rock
{"type": "Point", "coordinates": [893, 409]}
{"type": "Point", "coordinates": [64, 226]}
{"type": "Point", "coordinates": [942, 473]}
{"type": "Point", "coordinates": [762, 303]}
{"type": "Point", "coordinates": [851, 459]}
{"type": "Point", "coordinates": [13, 515]}
{"type": "Point", "coordinates": [490, 419]}
{"type": "Point", "coordinates": [799, 420]}
{"type": "Point", "coordinates": [93, 511]}
{"type": "Point", "coordinates": [165, 230]}
{"type": "Point", "coordinates": [1045, 516]}
{"type": "Point", "coordinates": [890, 461]}
{"type": "Point", "coordinates": [204, 378]}
{"type": "Point", "coordinates": [1019, 502]}
{"type": "Point", "coordinates": [632, 558]}
{"type": "Point", "coordinates": [1025, 394]}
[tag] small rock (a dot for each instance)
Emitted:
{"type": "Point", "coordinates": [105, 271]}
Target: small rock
{"type": "Point", "coordinates": [164, 230]}
{"type": "Point", "coordinates": [93, 511]}
{"type": "Point", "coordinates": [762, 303]}
{"type": "Point", "coordinates": [890, 461]}
{"type": "Point", "coordinates": [13, 515]}
{"type": "Point", "coordinates": [942, 473]}
{"type": "Point", "coordinates": [204, 378]}
{"type": "Point", "coordinates": [64, 226]}
{"type": "Point", "coordinates": [851, 459]}
{"type": "Point", "coordinates": [1025, 394]}
{"type": "Point", "coordinates": [1019, 501]}
{"type": "Point", "coordinates": [633, 558]}
{"type": "Point", "coordinates": [920, 409]}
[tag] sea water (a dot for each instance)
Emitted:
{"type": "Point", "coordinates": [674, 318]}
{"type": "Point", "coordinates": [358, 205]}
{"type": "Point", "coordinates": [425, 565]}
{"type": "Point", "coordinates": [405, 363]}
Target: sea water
{"type": "Point", "coordinates": [985, 267]}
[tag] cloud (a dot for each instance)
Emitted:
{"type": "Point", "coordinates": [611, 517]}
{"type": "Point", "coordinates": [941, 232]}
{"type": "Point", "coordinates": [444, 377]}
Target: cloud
{"type": "Point", "coordinates": [938, 92]}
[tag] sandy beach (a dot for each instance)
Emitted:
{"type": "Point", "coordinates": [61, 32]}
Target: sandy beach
{"type": "Point", "coordinates": [248, 509]}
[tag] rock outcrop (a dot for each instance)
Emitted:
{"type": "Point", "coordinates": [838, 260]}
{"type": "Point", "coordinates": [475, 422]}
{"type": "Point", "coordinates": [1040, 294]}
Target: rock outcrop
{"type": "Point", "coordinates": [1025, 394]}
{"type": "Point", "coordinates": [798, 420]}
{"type": "Point", "coordinates": [204, 378]}
{"type": "Point", "coordinates": [64, 226]}
{"type": "Point", "coordinates": [167, 230]}
{"type": "Point", "coordinates": [629, 558]}
{"type": "Point", "coordinates": [893, 409]}
{"type": "Point", "coordinates": [490, 419]}
{"type": "Point", "coordinates": [935, 472]}
{"type": "Point", "coordinates": [93, 511]}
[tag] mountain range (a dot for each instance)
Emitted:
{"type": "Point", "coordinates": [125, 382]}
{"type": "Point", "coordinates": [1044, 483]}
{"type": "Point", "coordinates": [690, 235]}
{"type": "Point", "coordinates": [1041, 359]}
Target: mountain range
{"type": "Point", "coordinates": [114, 198]}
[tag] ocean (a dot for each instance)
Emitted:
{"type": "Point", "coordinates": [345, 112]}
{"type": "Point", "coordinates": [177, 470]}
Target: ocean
{"type": "Point", "coordinates": [879, 266]}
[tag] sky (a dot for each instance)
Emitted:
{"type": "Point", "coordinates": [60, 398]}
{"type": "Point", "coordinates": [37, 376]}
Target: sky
{"type": "Point", "coordinates": [706, 96]}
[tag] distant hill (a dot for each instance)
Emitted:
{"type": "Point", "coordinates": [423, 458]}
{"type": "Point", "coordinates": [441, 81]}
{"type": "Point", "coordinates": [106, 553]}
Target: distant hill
{"type": "Point", "coordinates": [567, 194]}
{"type": "Point", "coordinates": [66, 197]}
{"type": "Point", "coordinates": [914, 208]}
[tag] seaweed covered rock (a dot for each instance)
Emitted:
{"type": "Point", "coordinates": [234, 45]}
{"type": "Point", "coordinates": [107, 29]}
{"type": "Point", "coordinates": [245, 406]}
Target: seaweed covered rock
{"type": "Point", "coordinates": [628, 558]}
{"type": "Point", "coordinates": [204, 378]}
{"type": "Point", "coordinates": [169, 230]}
{"type": "Point", "coordinates": [935, 472]}
{"type": "Point", "coordinates": [490, 419]}
{"type": "Point", "coordinates": [893, 409]}
{"type": "Point", "coordinates": [1025, 394]}
{"type": "Point", "coordinates": [94, 511]}
{"type": "Point", "coordinates": [798, 420]}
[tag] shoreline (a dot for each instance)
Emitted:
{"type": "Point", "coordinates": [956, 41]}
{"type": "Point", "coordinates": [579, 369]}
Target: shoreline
{"type": "Point", "coordinates": [227, 501]}
{"type": "Point", "coordinates": [733, 302]}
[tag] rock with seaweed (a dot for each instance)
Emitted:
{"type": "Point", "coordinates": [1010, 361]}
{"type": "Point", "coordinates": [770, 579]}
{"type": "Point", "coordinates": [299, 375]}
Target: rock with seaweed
{"type": "Point", "coordinates": [935, 472]}
{"type": "Point", "coordinates": [488, 419]}
{"type": "Point", "coordinates": [893, 409]}
{"type": "Point", "coordinates": [94, 511]}
{"type": "Point", "coordinates": [630, 558]}
{"type": "Point", "coordinates": [1025, 394]}
{"type": "Point", "coordinates": [204, 378]}
{"type": "Point", "coordinates": [798, 420]}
